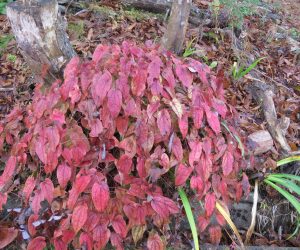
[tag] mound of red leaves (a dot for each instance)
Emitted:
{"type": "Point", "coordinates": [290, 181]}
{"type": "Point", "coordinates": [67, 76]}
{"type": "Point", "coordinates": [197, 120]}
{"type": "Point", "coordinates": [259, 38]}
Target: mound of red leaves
{"type": "Point", "coordinates": [93, 149]}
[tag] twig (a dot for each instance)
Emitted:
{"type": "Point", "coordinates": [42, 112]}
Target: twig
{"type": "Point", "coordinates": [254, 211]}
{"type": "Point", "coordinates": [6, 89]}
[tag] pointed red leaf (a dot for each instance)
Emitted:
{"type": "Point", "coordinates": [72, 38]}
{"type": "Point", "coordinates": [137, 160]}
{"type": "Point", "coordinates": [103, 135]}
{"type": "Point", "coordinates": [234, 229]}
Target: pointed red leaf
{"type": "Point", "coordinates": [116, 241]}
{"type": "Point", "coordinates": [100, 87]}
{"type": "Point", "coordinates": [202, 223]}
{"type": "Point", "coordinates": [164, 206]}
{"type": "Point", "coordinates": [114, 102]}
{"type": "Point", "coordinates": [184, 75]}
{"type": "Point", "coordinates": [213, 120]}
{"type": "Point", "coordinates": [79, 217]}
{"type": "Point", "coordinates": [63, 174]}
{"type": "Point", "coordinates": [36, 201]}
{"type": "Point", "coordinates": [28, 187]}
{"type": "Point", "coordinates": [164, 122]}
{"type": "Point", "coordinates": [177, 148]}
{"type": "Point", "coordinates": [47, 190]}
{"type": "Point", "coordinates": [183, 125]}
{"type": "Point", "coordinates": [100, 196]}
{"type": "Point", "coordinates": [197, 117]}
{"type": "Point", "coordinates": [119, 225]}
{"type": "Point", "coordinates": [101, 236]}
{"type": "Point", "coordinates": [154, 242]}
{"type": "Point", "coordinates": [227, 163]}
{"type": "Point", "coordinates": [182, 174]}
{"type": "Point", "coordinates": [9, 168]}
{"type": "Point", "coordinates": [210, 203]}
{"type": "Point", "coordinates": [138, 83]}
{"type": "Point", "coordinates": [38, 243]}
{"type": "Point", "coordinates": [215, 234]}
{"type": "Point", "coordinates": [86, 241]}
{"type": "Point", "coordinates": [197, 184]}
{"type": "Point", "coordinates": [81, 183]}
{"type": "Point", "coordinates": [195, 154]}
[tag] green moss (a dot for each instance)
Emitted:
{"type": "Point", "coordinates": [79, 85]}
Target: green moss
{"type": "Point", "coordinates": [11, 58]}
{"type": "Point", "coordinates": [141, 15]}
{"type": "Point", "coordinates": [76, 28]}
{"type": "Point", "coordinates": [4, 41]}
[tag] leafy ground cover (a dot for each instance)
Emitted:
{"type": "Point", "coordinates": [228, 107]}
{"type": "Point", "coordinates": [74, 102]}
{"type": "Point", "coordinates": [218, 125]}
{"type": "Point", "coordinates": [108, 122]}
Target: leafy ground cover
{"type": "Point", "coordinates": [266, 34]}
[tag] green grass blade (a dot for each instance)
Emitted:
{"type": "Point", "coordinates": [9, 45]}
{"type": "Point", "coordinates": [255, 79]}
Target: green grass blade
{"type": "Point", "coordinates": [287, 176]}
{"type": "Point", "coordinates": [241, 146]}
{"type": "Point", "coordinates": [288, 160]}
{"type": "Point", "coordinates": [189, 214]}
{"type": "Point", "coordinates": [286, 183]}
{"type": "Point", "coordinates": [287, 195]}
{"type": "Point", "coordinates": [252, 66]}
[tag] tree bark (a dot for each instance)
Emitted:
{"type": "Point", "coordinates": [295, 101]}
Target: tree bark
{"type": "Point", "coordinates": [40, 32]}
{"type": "Point", "coordinates": [174, 37]}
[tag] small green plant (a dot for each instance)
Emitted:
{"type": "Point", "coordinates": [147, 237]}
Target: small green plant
{"type": "Point", "coordinates": [286, 184]}
{"type": "Point", "coordinates": [190, 217]}
{"type": "Point", "coordinates": [238, 9]}
{"type": "Point", "coordinates": [240, 72]}
{"type": "Point", "coordinates": [3, 4]}
{"type": "Point", "coordinates": [4, 40]}
{"type": "Point", "coordinates": [12, 58]}
{"type": "Point", "coordinates": [189, 50]}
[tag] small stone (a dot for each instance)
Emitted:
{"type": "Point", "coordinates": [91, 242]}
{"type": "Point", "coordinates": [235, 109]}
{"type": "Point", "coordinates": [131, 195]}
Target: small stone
{"type": "Point", "coordinates": [260, 142]}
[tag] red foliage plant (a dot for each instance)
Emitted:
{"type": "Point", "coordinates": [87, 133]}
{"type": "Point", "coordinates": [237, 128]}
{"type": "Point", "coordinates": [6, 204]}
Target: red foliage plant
{"type": "Point", "coordinates": [94, 148]}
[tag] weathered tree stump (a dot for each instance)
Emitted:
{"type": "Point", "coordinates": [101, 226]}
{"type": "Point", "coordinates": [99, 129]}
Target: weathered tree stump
{"type": "Point", "coordinates": [174, 36]}
{"type": "Point", "coordinates": [40, 32]}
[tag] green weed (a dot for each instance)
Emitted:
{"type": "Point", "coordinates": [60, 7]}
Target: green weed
{"type": "Point", "coordinates": [240, 72]}
{"type": "Point", "coordinates": [77, 28]}
{"type": "Point", "coordinates": [12, 58]}
{"type": "Point", "coordinates": [4, 41]}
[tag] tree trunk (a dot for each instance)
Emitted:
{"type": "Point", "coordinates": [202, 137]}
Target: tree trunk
{"type": "Point", "coordinates": [40, 32]}
{"type": "Point", "coordinates": [174, 37]}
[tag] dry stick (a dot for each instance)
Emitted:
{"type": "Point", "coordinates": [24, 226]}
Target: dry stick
{"type": "Point", "coordinates": [253, 213]}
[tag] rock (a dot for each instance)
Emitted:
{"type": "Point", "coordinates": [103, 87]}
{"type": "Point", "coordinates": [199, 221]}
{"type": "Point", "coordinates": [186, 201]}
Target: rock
{"type": "Point", "coordinates": [260, 142]}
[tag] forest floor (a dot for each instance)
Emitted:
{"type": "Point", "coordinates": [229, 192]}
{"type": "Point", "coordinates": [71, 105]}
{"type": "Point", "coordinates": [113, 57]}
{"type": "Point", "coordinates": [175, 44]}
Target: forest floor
{"type": "Point", "coordinates": [272, 32]}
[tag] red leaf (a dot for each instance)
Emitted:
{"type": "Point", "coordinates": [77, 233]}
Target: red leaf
{"type": "Point", "coordinates": [114, 102]}
{"type": "Point", "coordinates": [100, 87]}
{"type": "Point", "coordinates": [164, 122]}
{"type": "Point", "coordinates": [28, 187]}
{"type": "Point", "coordinates": [183, 125]}
{"type": "Point", "coordinates": [245, 184]}
{"type": "Point", "coordinates": [197, 117]}
{"type": "Point", "coordinates": [138, 83]}
{"type": "Point", "coordinates": [7, 235]}
{"type": "Point", "coordinates": [197, 184]}
{"type": "Point", "coordinates": [154, 242]}
{"type": "Point", "coordinates": [3, 199]}
{"type": "Point", "coordinates": [169, 76]}
{"type": "Point", "coordinates": [177, 148]}
{"type": "Point", "coordinates": [86, 241]}
{"type": "Point", "coordinates": [79, 217]}
{"type": "Point", "coordinates": [116, 241]}
{"type": "Point", "coordinates": [213, 120]}
{"type": "Point", "coordinates": [195, 154]}
{"type": "Point", "coordinates": [100, 52]}
{"type": "Point", "coordinates": [47, 190]}
{"type": "Point", "coordinates": [119, 225]}
{"type": "Point", "coordinates": [227, 163]}
{"type": "Point", "coordinates": [9, 169]}
{"type": "Point", "coordinates": [182, 174]}
{"type": "Point", "coordinates": [215, 234]}
{"type": "Point", "coordinates": [36, 201]}
{"type": "Point", "coordinates": [164, 206]}
{"type": "Point", "coordinates": [210, 203]}
{"type": "Point", "coordinates": [184, 75]}
{"type": "Point", "coordinates": [129, 145]}
{"type": "Point", "coordinates": [31, 228]}
{"type": "Point", "coordinates": [63, 174]}
{"type": "Point", "coordinates": [59, 244]}
{"type": "Point", "coordinates": [81, 183]}
{"type": "Point", "coordinates": [100, 196]}
{"type": "Point", "coordinates": [203, 223]}
{"type": "Point", "coordinates": [101, 236]}
{"type": "Point", "coordinates": [96, 127]}
{"type": "Point", "coordinates": [124, 164]}
{"type": "Point", "coordinates": [220, 219]}
{"type": "Point", "coordinates": [38, 243]}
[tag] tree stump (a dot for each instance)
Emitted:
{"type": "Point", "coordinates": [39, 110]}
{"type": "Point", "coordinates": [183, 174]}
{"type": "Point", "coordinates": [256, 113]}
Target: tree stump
{"type": "Point", "coordinates": [40, 32]}
{"type": "Point", "coordinates": [175, 34]}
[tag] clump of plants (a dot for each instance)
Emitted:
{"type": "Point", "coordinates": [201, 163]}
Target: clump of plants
{"type": "Point", "coordinates": [91, 153]}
